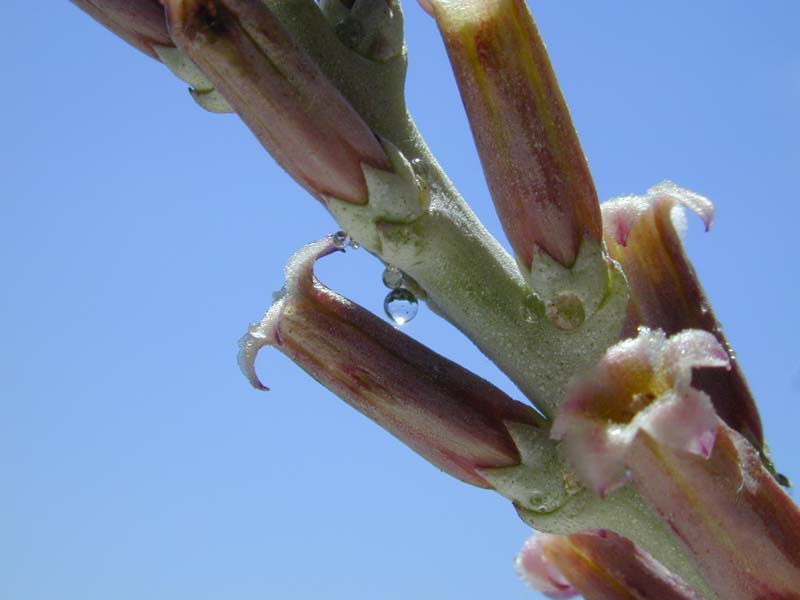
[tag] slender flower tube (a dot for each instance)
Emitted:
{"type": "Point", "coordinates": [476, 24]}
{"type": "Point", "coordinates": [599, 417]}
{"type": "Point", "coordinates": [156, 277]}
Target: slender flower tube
{"type": "Point", "coordinates": [293, 109]}
{"type": "Point", "coordinates": [643, 233]}
{"type": "Point", "coordinates": [451, 417]}
{"type": "Point", "coordinates": [536, 171]}
{"type": "Point", "coordinates": [739, 525]}
{"type": "Point", "coordinates": [141, 23]}
{"type": "Point", "coordinates": [598, 565]}
{"type": "Point", "coordinates": [638, 417]}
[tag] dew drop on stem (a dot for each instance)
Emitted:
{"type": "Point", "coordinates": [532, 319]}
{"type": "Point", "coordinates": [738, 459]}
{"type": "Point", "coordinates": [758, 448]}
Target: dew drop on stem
{"type": "Point", "coordinates": [400, 305]}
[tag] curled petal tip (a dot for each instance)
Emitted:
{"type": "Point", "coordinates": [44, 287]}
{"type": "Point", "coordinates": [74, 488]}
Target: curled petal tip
{"type": "Point", "coordinates": [643, 233]}
{"type": "Point", "coordinates": [299, 273]}
{"type": "Point", "coordinates": [450, 416]}
{"type": "Point", "coordinates": [621, 214]}
{"type": "Point", "coordinates": [699, 205]}
{"type": "Point", "coordinates": [249, 345]}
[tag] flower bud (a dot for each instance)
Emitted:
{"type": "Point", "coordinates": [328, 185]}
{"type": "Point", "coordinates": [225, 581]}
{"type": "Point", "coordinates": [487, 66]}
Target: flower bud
{"type": "Point", "coordinates": [297, 114]}
{"type": "Point", "coordinates": [141, 23]}
{"type": "Point", "coordinates": [532, 159]}
{"type": "Point", "coordinates": [450, 416]}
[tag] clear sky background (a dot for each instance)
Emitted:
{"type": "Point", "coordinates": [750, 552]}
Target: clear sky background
{"type": "Point", "coordinates": [139, 235]}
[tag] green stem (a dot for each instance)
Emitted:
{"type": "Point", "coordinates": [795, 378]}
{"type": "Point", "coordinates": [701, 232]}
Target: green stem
{"type": "Point", "coordinates": [625, 513]}
{"type": "Point", "coordinates": [466, 275]}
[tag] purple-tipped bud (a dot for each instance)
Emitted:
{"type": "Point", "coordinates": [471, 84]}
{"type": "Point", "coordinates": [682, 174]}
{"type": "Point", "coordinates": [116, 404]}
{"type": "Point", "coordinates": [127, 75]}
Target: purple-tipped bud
{"type": "Point", "coordinates": [450, 416]}
{"type": "Point", "coordinates": [643, 233]}
{"type": "Point", "coordinates": [141, 23]}
{"type": "Point", "coordinates": [598, 565]}
{"type": "Point", "coordinates": [276, 88]}
{"type": "Point", "coordinates": [531, 156]}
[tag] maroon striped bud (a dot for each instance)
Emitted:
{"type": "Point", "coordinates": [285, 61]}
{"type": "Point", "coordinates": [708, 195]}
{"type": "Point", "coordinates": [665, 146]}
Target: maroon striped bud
{"type": "Point", "coordinates": [532, 159]}
{"type": "Point", "coordinates": [141, 23]}
{"type": "Point", "coordinates": [450, 416]}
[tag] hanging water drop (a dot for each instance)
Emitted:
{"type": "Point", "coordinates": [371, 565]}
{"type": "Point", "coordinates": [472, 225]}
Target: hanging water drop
{"type": "Point", "coordinates": [354, 244]}
{"type": "Point", "coordinates": [400, 305]}
{"type": "Point", "coordinates": [341, 239]}
{"type": "Point", "coordinates": [392, 277]}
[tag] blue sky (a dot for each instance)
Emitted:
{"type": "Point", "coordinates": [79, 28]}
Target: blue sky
{"type": "Point", "coordinates": [139, 235]}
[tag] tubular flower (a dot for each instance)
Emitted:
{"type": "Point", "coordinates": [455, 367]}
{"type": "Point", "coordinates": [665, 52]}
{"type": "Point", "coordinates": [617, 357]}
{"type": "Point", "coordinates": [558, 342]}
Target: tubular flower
{"type": "Point", "coordinates": [598, 565]}
{"type": "Point", "coordinates": [141, 23]}
{"type": "Point", "coordinates": [450, 416]}
{"type": "Point", "coordinates": [640, 385]}
{"type": "Point", "coordinates": [536, 570]}
{"type": "Point", "coordinates": [637, 416]}
{"type": "Point", "coordinates": [276, 88]}
{"type": "Point", "coordinates": [738, 524]}
{"type": "Point", "coordinates": [643, 233]}
{"type": "Point", "coordinates": [536, 171]}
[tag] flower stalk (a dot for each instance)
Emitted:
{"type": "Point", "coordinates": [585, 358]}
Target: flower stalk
{"type": "Point", "coordinates": [640, 437]}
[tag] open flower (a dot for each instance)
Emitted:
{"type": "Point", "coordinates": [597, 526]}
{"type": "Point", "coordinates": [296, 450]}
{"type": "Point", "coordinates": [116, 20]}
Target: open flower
{"type": "Point", "coordinates": [643, 233]}
{"type": "Point", "coordinates": [641, 384]}
{"type": "Point", "coordinates": [637, 417]}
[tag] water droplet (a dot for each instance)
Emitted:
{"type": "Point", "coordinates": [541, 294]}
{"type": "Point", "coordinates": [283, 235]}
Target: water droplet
{"type": "Point", "coordinates": [392, 277]}
{"type": "Point", "coordinates": [783, 480]}
{"type": "Point", "coordinates": [532, 308]}
{"type": "Point", "coordinates": [422, 174]}
{"type": "Point", "coordinates": [354, 245]}
{"type": "Point", "coordinates": [341, 239]}
{"type": "Point", "coordinates": [400, 305]}
{"type": "Point", "coordinates": [420, 167]}
{"type": "Point", "coordinates": [537, 502]}
{"type": "Point", "coordinates": [349, 32]}
{"type": "Point", "coordinates": [566, 311]}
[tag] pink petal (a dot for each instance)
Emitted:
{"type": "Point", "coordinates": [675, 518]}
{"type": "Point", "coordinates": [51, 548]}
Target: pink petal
{"type": "Point", "coordinates": [641, 384]}
{"type": "Point", "coordinates": [534, 569]}
{"type": "Point", "coordinates": [621, 214]}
